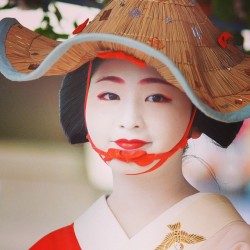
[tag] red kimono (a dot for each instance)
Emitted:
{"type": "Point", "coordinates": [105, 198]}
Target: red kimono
{"type": "Point", "coordinates": [61, 239]}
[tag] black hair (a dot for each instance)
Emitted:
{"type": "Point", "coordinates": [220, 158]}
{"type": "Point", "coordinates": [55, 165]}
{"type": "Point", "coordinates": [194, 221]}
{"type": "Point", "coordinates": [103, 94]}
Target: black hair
{"type": "Point", "coordinates": [72, 95]}
{"type": "Point", "coordinates": [71, 105]}
{"type": "Point", "coordinates": [222, 133]}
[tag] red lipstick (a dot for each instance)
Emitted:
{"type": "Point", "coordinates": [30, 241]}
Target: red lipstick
{"type": "Point", "coordinates": [130, 144]}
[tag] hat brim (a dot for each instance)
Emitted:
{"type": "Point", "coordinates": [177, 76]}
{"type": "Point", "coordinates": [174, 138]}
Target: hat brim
{"type": "Point", "coordinates": [89, 40]}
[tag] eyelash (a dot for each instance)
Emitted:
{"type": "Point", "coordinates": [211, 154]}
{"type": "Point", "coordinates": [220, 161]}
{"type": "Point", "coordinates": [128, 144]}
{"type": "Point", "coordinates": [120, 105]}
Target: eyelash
{"type": "Point", "coordinates": [112, 96]}
{"type": "Point", "coordinates": [162, 98]}
{"type": "Point", "coordinates": [156, 98]}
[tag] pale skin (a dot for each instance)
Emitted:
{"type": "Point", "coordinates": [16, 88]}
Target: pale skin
{"type": "Point", "coordinates": [132, 102]}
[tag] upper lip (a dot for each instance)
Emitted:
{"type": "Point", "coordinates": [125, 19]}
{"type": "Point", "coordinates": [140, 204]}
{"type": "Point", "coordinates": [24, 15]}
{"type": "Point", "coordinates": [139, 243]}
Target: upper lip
{"type": "Point", "coordinates": [130, 144]}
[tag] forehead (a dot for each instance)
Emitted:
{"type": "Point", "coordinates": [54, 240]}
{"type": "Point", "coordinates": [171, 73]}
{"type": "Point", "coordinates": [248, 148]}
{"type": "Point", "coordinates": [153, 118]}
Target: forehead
{"type": "Point", "coordinates": [124, 68]}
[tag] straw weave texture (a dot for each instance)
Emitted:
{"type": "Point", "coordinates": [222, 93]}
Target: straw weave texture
{"type": "Point", "coordinates": [179, 29]}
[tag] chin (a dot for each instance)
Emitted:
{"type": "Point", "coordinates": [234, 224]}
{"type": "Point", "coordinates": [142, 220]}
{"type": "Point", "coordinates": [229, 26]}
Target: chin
{"type": "Point", "coordinates": [121, 167]}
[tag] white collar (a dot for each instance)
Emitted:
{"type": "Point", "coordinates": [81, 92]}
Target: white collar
{"type": "Point", "coordinates": [98, 228]}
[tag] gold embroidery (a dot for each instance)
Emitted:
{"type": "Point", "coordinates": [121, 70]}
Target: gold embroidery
{"type": "Point", "coordinates": [177, 237]}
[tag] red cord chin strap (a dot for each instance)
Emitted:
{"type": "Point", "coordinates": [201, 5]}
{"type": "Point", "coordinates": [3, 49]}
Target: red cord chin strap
{"type": "Point", "coordinates": [139, 157]}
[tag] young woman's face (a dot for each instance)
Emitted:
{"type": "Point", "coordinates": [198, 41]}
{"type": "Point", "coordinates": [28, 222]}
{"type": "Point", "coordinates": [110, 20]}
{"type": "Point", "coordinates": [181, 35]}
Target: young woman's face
{"type": "Point", "coordinates": [134, 108]}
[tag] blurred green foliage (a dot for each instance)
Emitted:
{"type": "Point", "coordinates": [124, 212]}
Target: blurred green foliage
{"type": "Point", "coordinates": [46, 29]}
{"type": "Point", "coordinates": [228, 15]}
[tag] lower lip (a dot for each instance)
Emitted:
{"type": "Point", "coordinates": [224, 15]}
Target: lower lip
{"type": "Point", "coordinates": [129, 145]}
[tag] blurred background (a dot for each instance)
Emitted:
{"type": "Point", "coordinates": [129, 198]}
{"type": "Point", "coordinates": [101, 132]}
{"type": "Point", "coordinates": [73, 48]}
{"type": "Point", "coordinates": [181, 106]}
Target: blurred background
{"type": "Point", "coordinates": [46, 183]}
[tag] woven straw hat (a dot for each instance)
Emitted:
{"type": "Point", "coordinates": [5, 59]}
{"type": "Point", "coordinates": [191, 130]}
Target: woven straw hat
{"type": "Point", "coordinates": [173, 36]}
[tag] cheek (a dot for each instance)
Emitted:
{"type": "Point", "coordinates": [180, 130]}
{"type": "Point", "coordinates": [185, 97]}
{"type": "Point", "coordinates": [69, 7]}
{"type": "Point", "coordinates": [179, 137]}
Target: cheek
{"type": "Point", "coordinates": [98, 122]}
{"type": "Point", "coordinates": [94, 117]}
{"type": "Point", "coordinates": [169, 124]}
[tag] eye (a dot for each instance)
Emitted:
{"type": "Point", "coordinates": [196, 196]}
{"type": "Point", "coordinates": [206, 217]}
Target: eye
{"type": "Point", "coordinates": [108, 96]}
{"type": "Point", "coordinates": [158, 98]}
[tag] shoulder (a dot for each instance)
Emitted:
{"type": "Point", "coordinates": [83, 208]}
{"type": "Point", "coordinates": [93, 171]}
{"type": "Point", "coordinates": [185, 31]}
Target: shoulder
{"type": "Point", "coordinates": [239, 230]}
{"type": "Point", "coordinates": [235, 236]}
{"type": "Point", "coordinates": [220, 207]}
{"type": "Point", "coordinates": [63, 238]}
{"type": "Point", "coordinates": [225, 227]}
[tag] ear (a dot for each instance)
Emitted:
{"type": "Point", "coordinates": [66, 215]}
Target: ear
{"type": "Point", "coordinates": [194, 133]}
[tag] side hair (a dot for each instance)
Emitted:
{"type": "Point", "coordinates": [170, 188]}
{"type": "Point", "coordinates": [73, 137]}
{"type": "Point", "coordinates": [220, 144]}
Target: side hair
{"type": "Point", "coordinates": [221, 132]}
{"type": "Point", "coordinates": [71, 105]}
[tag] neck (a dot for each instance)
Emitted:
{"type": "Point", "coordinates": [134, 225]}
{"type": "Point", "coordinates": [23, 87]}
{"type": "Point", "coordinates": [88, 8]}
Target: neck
{"type": "Point", "coordinates": [137, 200]}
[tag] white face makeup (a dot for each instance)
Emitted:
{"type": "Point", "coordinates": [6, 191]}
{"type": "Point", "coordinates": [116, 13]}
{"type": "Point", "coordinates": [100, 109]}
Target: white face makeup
{"type": "Point", "coordinates": [134, 108]}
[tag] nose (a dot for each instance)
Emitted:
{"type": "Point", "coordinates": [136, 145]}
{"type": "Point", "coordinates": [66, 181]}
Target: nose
{"type": "Point", "coordinates": [131, 116]}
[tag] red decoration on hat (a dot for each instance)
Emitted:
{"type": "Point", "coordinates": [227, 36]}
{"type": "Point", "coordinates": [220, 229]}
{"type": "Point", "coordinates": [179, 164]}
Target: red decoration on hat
{"type": "Point", "coordinates": [80, 27]}
{"type": "Point", "coordinates": [33, 66]}
{"type": "Point", "coordinates": [223, 39]}
{"type": "Point", "coordinates": [239, 101]}
{"type": "Point", "coordinates": [121, 55]}
{"type": "Point", "coordinates": [105, 15]}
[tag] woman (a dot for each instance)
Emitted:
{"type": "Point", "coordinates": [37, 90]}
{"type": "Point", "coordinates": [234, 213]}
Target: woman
{"type": "Point", "coordinates": [137, 111]}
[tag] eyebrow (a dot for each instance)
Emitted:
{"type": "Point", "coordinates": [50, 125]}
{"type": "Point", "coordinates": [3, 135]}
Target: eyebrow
{"type": "Point", "coordinates": [154, 80]}
{"type": "Point", "coordinates": [114, 79]}
{"type": "Point", "coordinates": [119, 80]}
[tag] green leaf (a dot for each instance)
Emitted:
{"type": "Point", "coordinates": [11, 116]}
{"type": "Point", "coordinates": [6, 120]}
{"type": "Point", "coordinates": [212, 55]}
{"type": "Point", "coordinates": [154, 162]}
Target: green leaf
{"type": "Point", "coordinates": [58, 13]}
{"type": "Point", "coordinates": [222, 11]}
{"type": "Point", "coordinates": [75, 24]}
